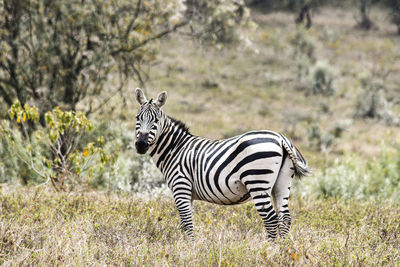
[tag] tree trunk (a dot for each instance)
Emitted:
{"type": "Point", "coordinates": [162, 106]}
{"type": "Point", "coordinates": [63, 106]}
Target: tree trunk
{"type": "Point", "coordinates": [305, 13]}
{"type": "Point", "coordinates": [365, 23]}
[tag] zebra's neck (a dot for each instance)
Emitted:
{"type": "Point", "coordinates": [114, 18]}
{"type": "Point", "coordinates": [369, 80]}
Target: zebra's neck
{"type": "Point", "coordinates": [170, 142]}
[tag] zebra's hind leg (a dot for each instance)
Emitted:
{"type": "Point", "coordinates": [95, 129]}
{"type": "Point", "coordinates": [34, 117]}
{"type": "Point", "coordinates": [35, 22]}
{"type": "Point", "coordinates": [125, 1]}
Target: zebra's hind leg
{"type": "Point", "coordinates": [280, 194]}
{"type": "Point", "coordinates": [260, 190]}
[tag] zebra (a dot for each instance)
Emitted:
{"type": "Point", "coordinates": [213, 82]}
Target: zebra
{"type": "Point", "coordinates": [256, 165]}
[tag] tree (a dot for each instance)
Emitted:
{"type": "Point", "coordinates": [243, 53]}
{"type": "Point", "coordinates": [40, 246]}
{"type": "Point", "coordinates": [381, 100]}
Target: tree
{"type": "Point", "coordinates": [62, 53]}
{"type": "Point", "coordinates": [394, 6]}
{"type": "Point", "coordinates": [365, 7]}
{"type": "Point", "coordinates": [304, 13]}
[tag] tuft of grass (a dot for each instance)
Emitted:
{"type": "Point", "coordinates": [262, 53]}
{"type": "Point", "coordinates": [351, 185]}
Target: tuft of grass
{"type": "Point", "coordinates": [39, 227]}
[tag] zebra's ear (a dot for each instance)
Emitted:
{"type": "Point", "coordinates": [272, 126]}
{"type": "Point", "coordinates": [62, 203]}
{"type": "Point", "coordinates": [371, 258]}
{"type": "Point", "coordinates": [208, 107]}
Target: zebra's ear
{"type": "Point", "coordinates": [161, 99]}
{"type": "Point", "coordinates": [140, 98]}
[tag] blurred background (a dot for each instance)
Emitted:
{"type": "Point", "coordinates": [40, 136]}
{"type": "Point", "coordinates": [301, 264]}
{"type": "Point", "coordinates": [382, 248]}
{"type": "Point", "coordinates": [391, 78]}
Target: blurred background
{"type": "Point", "coordinates": [324, 73]}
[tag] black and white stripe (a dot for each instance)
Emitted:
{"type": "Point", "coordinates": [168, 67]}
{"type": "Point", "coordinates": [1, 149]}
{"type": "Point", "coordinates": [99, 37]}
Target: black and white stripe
{"type": "Point", "coordinates": [255, 165]}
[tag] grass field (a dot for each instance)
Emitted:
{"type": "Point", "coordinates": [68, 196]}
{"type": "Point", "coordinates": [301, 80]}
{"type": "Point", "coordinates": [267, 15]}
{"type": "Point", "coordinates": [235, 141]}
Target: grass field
{"type": "Point", "coordinates": [38, 227]}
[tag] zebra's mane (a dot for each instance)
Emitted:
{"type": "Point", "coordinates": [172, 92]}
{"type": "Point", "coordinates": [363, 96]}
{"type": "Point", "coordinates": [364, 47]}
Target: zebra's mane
{"type": "Point", "coordinates": [180, 124]}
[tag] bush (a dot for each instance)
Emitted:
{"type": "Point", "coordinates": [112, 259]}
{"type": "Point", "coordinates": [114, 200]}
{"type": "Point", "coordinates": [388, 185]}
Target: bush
{"type": "Point", "coordinates": [372, 103]}
{"type": "Point", "coordinates": [324, 141]}
{"type": "Point", "coordinates": [54, 153]}
{"type": "Point", "coordinates": [313, 76]}
{"type": "Point", "coordinates": [303, 52]}
{"type": "Point", "coordinates": [130, 172]}
{"type": "Point", "coordinates": [354, 178]}
{"type": "Point", "coordinates": [12, 169]}
{"type": "Point", "coordinates": [322, 80]}
{"type": "Point", "coordinates": [394, 6]}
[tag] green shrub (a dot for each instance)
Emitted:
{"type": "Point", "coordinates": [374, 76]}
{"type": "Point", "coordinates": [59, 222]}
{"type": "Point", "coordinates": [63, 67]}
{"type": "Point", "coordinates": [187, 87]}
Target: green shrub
{"type": "Point", "coordinates": [372, 103]}
{"type": "Point", "coordinates": [130, 172]}
{"type": "Point", "coordinates": [53, 153]}
{"type": "Point", "coordinates": [303, 52]}
{"type": "Point", "coordinates": [313, 76]}
{"type": "Point", "coordinates": [12, 168]}
{"type": "Point", "coordinates": [322, 79]}
{"type": "Point", "coordinates": [324, 141]}
{"type": "Point", "coordinates": [355, 178]}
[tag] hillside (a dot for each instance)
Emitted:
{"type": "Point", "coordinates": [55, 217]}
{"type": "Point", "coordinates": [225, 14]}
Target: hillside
{"type": "Point", "coordinates": [222, 92]}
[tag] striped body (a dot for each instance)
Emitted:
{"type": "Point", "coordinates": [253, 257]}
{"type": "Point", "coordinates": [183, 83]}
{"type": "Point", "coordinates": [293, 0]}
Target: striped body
{"type": "Point", "coordinates": [252, 166]}
{"type": "Point", "coordinates": [217, 171]}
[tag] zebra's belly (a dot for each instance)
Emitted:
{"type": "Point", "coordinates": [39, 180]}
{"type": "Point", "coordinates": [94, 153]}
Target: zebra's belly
{"type": "Point", "coordinates": [238, 194]}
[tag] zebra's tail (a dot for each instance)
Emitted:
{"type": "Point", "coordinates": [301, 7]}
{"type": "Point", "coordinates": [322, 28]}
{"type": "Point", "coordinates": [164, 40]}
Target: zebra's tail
{"type": "Point", "coordinates": [300, 164]}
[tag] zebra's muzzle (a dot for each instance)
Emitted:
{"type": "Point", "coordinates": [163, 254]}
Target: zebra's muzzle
{"type": "Point", "coordinates": [142, 144]}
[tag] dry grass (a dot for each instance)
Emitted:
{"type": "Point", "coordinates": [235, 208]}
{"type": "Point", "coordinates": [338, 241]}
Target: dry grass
{"type": "Point", "coordinates": [38, 227]}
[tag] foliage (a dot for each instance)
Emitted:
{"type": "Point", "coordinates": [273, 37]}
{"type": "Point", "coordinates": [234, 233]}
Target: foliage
{"type": "Point", "coordinates": [372, 103]}
{"type": "Point", "coordinates": [322, 79]}
{"type": "Point", "coordinates": [220, 20]}
{"type": "Point", "coordinates": [316, 77]}
{"type": "Point", "coordinates": [325, 141]}
{"type": "Point", "coordinates": [394, 7]}
{"type": "Point", "coordinates": [353, 178]}
{"type": "Point", "coordinates": [62, 53]}
{"type": "Point", "coordinates": [98, 228]}
{"type": "Point", "coordinates": [303, 52]}
{"type": "Point", "coordinates": [55, 153]}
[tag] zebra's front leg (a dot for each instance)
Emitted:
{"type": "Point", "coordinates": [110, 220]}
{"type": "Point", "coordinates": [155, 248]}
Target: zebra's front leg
{"type": "Point", "coordinates": [183, 201]}
{"type": "Point", "coordinates": [186, 213]}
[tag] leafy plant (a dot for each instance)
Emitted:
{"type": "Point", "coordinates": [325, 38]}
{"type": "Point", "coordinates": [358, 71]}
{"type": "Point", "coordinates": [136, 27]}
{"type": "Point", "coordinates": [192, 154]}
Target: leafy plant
{"type": "Point", "coordinates": [356, 178]}
{"type": "Point", "coordinates": [322, 80]}
{"type": "Point", "coordinates": [303, 52]}
{"type": "Point", "coordinates": [55, 152]}
{"type": "Point", "coordinates": [372, 103]}
{"type": "Point", "coordinates": [324, 141]}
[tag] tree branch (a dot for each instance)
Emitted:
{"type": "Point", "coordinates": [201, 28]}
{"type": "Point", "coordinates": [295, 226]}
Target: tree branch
{"type": "Point", "coordinates": [155, 37]}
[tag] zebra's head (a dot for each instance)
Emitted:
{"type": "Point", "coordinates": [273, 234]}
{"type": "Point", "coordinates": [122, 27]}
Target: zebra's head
{"type": "Point", "coordinates": [149, 120]}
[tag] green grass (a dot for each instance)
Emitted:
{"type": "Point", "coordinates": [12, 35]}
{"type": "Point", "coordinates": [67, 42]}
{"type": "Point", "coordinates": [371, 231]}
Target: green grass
{"type": "Point", "coordinates": [39, 227]}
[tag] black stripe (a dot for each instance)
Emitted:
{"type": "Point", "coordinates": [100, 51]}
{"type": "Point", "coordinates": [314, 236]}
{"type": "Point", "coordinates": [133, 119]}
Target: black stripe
{"type": "Point", "coordinates": [261, 196]}
{"type": "Point", "coordinates": [258, 189]}
{"type": "Point", "coordinates": [256, 182]}
{"type": "Point", "coordinates": [255, 172]}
